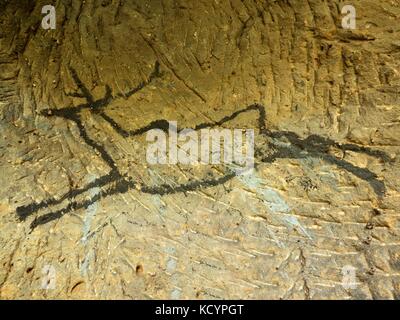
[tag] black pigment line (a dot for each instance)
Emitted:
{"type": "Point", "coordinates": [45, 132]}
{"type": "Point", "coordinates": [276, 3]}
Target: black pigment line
{"type": "Point", "coordinates": [296, 152]}
{"type": "Point", "coordinates": [164, 125]}
{"type": "Point", "coordinates": [255, 107]}
{"type": "Point", "coordinates": [115, 125]}
{"type": "Point", "coordinates": [362, 149]}
{"type": "Point", "coordinates": [362, 173]}
{"type": "Point", "coordinates": [72, 113]}
{"type": "Point", "coordinates": [92, 104]}
{"type": "Point", "coordinates": [166, 189]}
{"type": "Point", "coordinates": [24, 212]}
{"type": "Point", "coordinates": [283, 144]}
{"type": "Point", "coordinates": [85, 92]}
{"type": "Point", "coordinates": [119, 188]}
{"type": "Point", "coordinates": [156, 73]}
{"type": "Point", "coordinates": [323, 144]}
{"type": "Point", "coordinates": [318, 147]}
{"type": "Point", "coordinates": [157, 124]}
{"type": "Point", "coordinates": [103, 153]}
{"type": "Point", "coordinates": [122, 186]}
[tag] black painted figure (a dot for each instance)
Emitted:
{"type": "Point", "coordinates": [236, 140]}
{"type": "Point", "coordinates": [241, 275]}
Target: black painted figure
{"type": "Point", "coordinates": [278, 144]}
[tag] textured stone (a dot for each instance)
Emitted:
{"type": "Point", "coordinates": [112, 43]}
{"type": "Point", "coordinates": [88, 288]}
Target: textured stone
{"type": "Point", "coordinates": [325, 192]}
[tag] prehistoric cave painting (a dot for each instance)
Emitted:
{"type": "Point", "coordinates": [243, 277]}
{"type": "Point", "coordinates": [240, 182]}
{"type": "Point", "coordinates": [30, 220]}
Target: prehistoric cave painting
{"type": "Point", "coordinates": [278, 145]}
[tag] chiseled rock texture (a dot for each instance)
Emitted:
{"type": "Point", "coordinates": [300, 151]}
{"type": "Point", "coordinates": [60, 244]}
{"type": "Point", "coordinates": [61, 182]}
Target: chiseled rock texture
{"type": "Point", "coordinates": [83, 215]}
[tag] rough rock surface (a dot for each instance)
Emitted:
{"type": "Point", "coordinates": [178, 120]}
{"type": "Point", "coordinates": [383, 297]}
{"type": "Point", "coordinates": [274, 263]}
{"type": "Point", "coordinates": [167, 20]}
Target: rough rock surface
{"type": "Point", "coordinates": [78, 198]}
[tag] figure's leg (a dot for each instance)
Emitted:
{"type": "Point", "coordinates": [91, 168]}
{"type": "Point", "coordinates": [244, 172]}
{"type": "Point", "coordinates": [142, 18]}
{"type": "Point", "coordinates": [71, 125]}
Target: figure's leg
{"type": "Point", "coordinates": [121, 186]}
{"type": "Point", "coordinates": [23, 212]}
